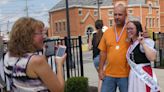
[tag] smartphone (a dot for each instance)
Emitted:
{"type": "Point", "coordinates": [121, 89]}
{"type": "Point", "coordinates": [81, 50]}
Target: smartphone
{"type": "Point", "coordinates": [60, 51]}
{"type": "Point", "coordinates": [49, 49]}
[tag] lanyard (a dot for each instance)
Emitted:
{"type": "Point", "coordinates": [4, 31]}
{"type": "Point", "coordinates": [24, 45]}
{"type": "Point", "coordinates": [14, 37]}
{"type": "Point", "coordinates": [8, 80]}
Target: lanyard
{"type": "Point", "coordinates": [118, 37]}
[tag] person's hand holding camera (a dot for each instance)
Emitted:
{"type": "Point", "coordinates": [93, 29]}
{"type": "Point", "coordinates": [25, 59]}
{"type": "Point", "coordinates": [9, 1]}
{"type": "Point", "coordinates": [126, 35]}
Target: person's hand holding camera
{"type": "Point", "coordinates": [60, 60]}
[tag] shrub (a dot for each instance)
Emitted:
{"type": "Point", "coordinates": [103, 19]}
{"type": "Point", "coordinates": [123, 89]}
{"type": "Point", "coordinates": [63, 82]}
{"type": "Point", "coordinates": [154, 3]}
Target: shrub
{"type": "Point", "coordinates": [76, 84]}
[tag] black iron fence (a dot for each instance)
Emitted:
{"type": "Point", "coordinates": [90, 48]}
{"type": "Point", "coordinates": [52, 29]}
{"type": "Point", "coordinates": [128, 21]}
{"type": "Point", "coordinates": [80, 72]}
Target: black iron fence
{"type": "Point", "coordinates": [73, 66]}
{"type": "Point", "coordinates": [159, 39]}
{"type": "Point", "coordinates": [74, 63]}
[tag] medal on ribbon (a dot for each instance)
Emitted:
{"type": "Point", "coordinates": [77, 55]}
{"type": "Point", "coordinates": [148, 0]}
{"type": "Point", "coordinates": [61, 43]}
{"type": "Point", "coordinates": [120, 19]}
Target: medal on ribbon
{"type": "Point", "coordinates": [118, 37]}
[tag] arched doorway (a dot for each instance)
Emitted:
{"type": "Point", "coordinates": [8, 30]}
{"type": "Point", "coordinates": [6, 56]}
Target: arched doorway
{"type": "Point", "coordinates": [89, 32]}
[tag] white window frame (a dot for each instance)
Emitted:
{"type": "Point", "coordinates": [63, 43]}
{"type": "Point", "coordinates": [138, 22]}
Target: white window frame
{"type": "Point", "coordinates": [153, 22]}
{"type": "Point", "coordinates": [156, 2]}
{"type": "Point", "coordinates": [150, 8]}
{"type": "Point", "coordinates": [60, 26]}
{"type": "Point", "coordinates": [109, 22]}
{"type": "Point", "coordinates": [147, 22]}
{"type": "Point", "coordinates": [157, 24]}
{"type": "Point", "coordinates": [56, 26]}
{"type": "Point", "coordinates": [157, 11]}
{"type": "Point", "coordinates": [130, 13]}
{"type": "Point", "coordinates": [80, 10]}
{"type": "Point", "coordinates": [110, 12]}
{"type": "Point", "coordinates": [95, 12]}
{"type": "Point", "coordinates": [64, 25]}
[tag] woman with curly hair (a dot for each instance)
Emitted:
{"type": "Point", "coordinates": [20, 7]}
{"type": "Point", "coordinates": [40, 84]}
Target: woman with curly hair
{"type": "Point", "coordinates": [26, 70]}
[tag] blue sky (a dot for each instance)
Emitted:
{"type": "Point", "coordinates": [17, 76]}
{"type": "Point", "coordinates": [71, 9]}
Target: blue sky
{"type": "Point", "coordinates": [11, 10]}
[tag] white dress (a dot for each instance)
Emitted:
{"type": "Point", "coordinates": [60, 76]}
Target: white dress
{"type": "Point", "coordinates": [136, 84]}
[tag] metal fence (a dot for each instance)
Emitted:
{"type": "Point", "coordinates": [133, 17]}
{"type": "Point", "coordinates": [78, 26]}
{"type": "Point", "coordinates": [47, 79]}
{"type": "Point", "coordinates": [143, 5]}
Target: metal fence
{"type": "Point", "coordinates": [159, 39]}
{"type": "Point", "coordinates": [74, 62]}
{"type": "Point", "coordinates": [73, 66]}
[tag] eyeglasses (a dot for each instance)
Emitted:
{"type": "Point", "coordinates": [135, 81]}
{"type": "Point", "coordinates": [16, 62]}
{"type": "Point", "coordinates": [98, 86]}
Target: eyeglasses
{"type": "Point", "coordinates": [40, 33]}
{"type": "Point", "coordinates": [130, 29]}
{"type": "Point", "coordinates": [43, 34]}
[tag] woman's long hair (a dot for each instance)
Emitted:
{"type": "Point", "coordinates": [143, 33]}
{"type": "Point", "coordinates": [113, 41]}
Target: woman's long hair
{"type": "Point", "coordinates": [99, 25]}
{"type": "Point", "coordinates": [138, 26]}
{"type": "Point", "coordinates": [21, 36]}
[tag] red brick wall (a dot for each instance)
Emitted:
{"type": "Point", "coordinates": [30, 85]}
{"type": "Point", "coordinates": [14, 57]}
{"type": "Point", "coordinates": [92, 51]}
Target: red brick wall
{"type": "Point", "coordinates": [79, 28]}
{"type": "Point", "coordinates": [162, 15]}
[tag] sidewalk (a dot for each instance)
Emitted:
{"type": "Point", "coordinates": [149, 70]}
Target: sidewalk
{"type": "Point", "coordinates": [160, 76]}
{"type": "Point", "coordinates": [91, 73]}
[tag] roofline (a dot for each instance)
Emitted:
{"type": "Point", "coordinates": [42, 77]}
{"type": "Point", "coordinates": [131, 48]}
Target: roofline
{"type": "Point", "coordinates": [144, 5]}
{"type": "Point", "coordinates": [111, 6]}
{"type": "Point", "coordinates": [79, 6]}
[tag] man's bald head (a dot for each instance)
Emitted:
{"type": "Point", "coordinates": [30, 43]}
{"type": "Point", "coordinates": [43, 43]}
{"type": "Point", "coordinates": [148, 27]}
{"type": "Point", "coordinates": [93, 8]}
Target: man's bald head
{"type": "Point", "coordinates": [121, 7]}
{"type": "Point", "coordinates": [120, 14]}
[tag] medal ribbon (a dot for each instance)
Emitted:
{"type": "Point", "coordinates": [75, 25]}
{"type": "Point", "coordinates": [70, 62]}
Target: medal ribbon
{"type": "Point", "coordinates": [115, 31]}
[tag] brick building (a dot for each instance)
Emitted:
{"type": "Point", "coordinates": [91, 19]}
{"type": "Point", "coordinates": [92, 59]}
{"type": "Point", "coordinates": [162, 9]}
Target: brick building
{"type": "Point", "coordinates": [162, 15]}
{"type": "Point", "coordinates": [83, 14]}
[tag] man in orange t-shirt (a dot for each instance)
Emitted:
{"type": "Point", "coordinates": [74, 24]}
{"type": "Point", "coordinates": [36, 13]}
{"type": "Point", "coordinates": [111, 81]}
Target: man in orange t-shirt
{"type": "Point", "coordinates": [113, 46]}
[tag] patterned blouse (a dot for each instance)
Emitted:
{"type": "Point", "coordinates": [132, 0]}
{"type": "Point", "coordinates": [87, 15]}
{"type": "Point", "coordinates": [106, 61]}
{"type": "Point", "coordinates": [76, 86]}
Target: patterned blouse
{"type": "Point", "coordinates": [15, 71]}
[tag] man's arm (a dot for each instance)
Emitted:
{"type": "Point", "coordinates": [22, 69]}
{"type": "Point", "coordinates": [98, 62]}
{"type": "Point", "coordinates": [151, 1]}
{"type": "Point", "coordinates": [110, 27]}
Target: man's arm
{"type": "Point", "coordinates": [103, 56]}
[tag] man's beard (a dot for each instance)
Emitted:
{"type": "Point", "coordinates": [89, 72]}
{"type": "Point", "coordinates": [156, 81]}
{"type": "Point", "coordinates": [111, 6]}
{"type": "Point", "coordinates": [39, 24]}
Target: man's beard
{"type": "Point", "coordinates": [119, 23]}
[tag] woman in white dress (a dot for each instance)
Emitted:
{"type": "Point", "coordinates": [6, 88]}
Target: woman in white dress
{"type": "Point", "coordinates": [140, 53]}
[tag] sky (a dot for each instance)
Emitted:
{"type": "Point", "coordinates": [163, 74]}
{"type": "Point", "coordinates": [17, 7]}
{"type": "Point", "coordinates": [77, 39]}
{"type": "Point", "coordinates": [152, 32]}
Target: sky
{"type": "Point", "coordinates": [11, 10]}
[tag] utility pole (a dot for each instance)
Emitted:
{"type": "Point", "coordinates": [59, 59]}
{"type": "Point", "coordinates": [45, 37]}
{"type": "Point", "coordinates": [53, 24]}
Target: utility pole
{"type": "Point", "coordinates": [26, 9]}
{"type": "Point", "coordinates": [8, 26]}
{"type": "Point", "coordinates": [69, 57]}
{"type": "Point", "coordinates": [0, 30]}
{"type": "Point", "coordinates": [141, 12]}
{"type": "Point", "coordinates": [98, 7]}
{"type": "Point", "coordinates": [68, 22]}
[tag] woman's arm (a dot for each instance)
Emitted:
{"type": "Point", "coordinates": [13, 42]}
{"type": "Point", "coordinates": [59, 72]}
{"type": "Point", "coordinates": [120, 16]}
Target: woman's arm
{"type": "Point", "coordinates": [90, 43]}
{"type": "Point", "coordinates": [148, 47]}
{"type": "Point", "coordinates": [150, 53]}
{"type": "Point", "coordinates": [60, 62]}
{"type": "Point", "coordinates": [40, 68]}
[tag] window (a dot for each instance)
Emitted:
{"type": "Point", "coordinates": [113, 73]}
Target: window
{"type": "Point", "coordinates": [157, 11]}
{"type": "Point", "coordinates": [157, 23]}
{"type": "Point", "coordinates": [56, 25]}
{"type": "Point", "coordinates": [150, 8]}
{"type": "Point", "coordinates": [150, 22]}
{"type": "Point", "coordinates": [110, 12]}
{"type": "Point", "coordinates": [130, 12]}
{"type": "Point", "coordinates": [80, 11]}
{"type": "Point", "coordinates": [156, 2]}
{"type": "Point", "coordinates": [111, 22]}
{"type": "Point", "coordinates": [95, 13]}
{"type": "Point", "coordinates": [60, 26]}
{"type": "Point", "coordinates": [64, 26]}
{"type": "Point", "coordinates": [153, 22]}
{"type": "Point", "coordinates": [89, 31]}
{"type": "Point", "coordinates": [147, 22]}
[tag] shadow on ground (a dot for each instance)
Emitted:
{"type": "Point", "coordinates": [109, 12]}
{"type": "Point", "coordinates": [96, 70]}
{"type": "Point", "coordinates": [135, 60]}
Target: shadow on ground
{"type": "Point", "coordinates": [93, 89]}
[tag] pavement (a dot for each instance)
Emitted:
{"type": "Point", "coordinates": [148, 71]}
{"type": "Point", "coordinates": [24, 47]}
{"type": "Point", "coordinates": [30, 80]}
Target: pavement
{"type": "Point", "coordinates": [92, 75]}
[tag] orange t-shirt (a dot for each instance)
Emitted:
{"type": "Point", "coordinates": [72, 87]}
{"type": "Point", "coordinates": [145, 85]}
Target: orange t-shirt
{"type": "Point", "coordinates": [117, 65]}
